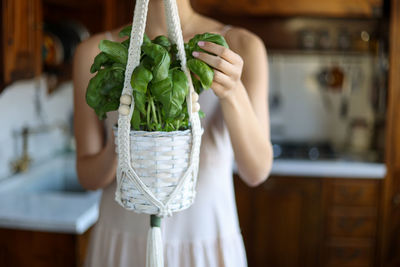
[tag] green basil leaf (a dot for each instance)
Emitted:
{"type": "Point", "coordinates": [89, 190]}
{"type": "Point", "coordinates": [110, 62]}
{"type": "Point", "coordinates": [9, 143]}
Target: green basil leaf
{"type": "Point", "coordinates": [93, 96]}
{"type": "Point", "coordinates": [171, 92]}
{"type": "Point", "coordinates": [125, 43]}
{"type": "Point", "coordinates": [146, 40]}
{"type": "Point", "coordinates": [147, 62]}
{"type": "Point", "coordinates": [106, 106]}
{"type": "Point", "coordinates": [161, 90]}
{"type": "Point", "coordinates": [141, 78]}
{"type": "Point", "coordinates": [115, 51]}
{"type": "Point", "coordinates": [100, 60]}
{"type": "Point", "coordinates": [104, 90]}
{"type": "Point", "coordinates": [202, 70]}
{"type": "Point", "coordinates": [180, 89]}
{"type": "Point", "coordinates": [197, 84]}
{"type": "Point", "coordinates": [140, 101]}
{"type": "Point", "coordinates": [126, 31]}
{"type": "Point", "coordinates": [175, 61]}
{"type": "Point", "coordinates": [135, 121]}
{"type": "Point", "coordinates": [207, 37]}
{"type": "Point", "coordinates": [163, 41]}
{"type": "Point", "coordinates": [187, 50]}
{"type": "Point", "coordinates": [112, 82]}
{"type": "Point", "coordinates": [161, 60]}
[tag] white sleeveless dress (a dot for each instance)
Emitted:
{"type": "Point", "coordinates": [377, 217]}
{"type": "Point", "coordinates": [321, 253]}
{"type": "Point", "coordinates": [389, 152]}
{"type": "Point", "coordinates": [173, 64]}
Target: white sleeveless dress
{"type": "Point", "coordinates": [205, 235]}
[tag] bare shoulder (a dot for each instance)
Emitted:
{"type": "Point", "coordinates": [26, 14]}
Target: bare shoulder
{"type": "Point", "coordinates": [84, 56]}
{"type": "Point", "coordinates": [83, 59]}
{"type": "Point", "coordinates": [244, 42]}
{"type": "Point", "coordinates": [89, 47]}
{"type": "Point", "coordinates": [252, 50]}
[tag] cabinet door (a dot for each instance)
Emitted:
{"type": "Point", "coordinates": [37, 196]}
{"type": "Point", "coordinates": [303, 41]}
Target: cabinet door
{"type": "Point", "coordinates": [334, 8]}
{"type": "Point", "coordinates": [20, 248]}
{"type": "Point", "coordinates": [21, 39]}
{"type": "Point", "coordinates": [284, 225]}
{"type": "Point", "coordinates": [389, 252]}
{"type": "Point", "coordinates": [351, 219]}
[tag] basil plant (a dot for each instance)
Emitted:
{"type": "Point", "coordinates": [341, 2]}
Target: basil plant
{"type": "Point", "coordinates": [159, 85]}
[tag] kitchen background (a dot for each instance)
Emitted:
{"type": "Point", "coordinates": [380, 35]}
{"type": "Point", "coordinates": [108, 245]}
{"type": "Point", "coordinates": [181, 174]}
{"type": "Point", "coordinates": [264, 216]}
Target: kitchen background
{"type": "Point", "coordinates": [333, 197]}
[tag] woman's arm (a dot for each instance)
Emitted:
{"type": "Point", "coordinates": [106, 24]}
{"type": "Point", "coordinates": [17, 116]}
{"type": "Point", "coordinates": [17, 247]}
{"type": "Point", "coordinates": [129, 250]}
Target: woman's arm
{"type": "Point", "coordinates": [241, 83]}
{"type": "Point", "coordinates": [96, 158]}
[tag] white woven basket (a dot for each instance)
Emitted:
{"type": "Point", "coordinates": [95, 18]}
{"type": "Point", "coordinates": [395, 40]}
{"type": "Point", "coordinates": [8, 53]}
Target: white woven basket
{"type": "Point", "coordinates": [160, 159]}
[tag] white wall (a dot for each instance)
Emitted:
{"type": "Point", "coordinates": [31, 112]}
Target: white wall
{"type": "Point", "coordinates": [309, 113]}
{"type": "Point", "coordinates": [17, 109]}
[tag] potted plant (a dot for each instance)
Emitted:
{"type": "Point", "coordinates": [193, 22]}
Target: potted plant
{"type": "Point", "coordinates": [160, 88]}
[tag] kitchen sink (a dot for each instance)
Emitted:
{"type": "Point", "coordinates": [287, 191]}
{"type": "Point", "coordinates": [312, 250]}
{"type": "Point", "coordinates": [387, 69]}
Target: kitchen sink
{"type": "Point", "coordinates": [48, 197]}
{"type": "Point", "coordinates": [56, 175]}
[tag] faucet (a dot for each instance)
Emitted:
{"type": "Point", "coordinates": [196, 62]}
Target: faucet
{"type": "Point", "coordinates": [22, 163]}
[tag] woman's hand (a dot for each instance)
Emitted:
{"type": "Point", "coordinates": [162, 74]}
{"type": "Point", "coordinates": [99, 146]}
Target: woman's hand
{"type": "Point", "coordinates": [243, 90]}
{"type": "Point", "coordinates": [227, 66]}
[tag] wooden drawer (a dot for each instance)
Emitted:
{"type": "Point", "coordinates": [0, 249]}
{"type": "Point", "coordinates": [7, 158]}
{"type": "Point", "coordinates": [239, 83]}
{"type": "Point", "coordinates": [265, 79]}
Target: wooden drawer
{"type": "Point", "coordinates": [354, 192]}
{"type": "Point", "coordinates": [352, 222]}
{"type": "Point", "coordinates": [349, 253]}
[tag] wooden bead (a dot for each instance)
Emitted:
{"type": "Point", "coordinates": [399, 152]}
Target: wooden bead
{"type": "Point", "coordinates": [195, 107]}
{"type": "Point", "coordinates": [123, 110]}
{"type": "Point", "coordinates": [125, 99]}
{"type": "Point", "coordinates": [195, 97]}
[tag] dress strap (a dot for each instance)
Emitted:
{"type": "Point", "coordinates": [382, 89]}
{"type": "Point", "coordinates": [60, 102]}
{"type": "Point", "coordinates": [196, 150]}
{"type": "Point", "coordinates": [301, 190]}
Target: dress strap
{"type": "Point", "coordinates": [226, 29]}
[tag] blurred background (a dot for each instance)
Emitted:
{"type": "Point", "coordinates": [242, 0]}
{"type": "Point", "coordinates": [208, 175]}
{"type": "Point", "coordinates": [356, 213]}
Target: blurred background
{"type": "Point", "coordinates": [333, 198]}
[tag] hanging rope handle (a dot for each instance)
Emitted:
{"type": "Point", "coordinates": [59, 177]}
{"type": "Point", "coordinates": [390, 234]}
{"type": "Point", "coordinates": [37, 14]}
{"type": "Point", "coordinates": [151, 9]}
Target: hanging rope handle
{"type": "Point", "coordinates": [136, 40]}
{"type": "Point", "coordinates": [124, 160]}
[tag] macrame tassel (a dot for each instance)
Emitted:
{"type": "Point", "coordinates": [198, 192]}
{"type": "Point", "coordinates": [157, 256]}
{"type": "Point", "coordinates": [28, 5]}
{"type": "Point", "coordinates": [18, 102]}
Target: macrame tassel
{"type": "Point", "coordinates": [155, 253]}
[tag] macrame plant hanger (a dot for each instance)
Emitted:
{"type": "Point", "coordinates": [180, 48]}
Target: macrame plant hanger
{"type": "Point", "coordinates": [142, 186]}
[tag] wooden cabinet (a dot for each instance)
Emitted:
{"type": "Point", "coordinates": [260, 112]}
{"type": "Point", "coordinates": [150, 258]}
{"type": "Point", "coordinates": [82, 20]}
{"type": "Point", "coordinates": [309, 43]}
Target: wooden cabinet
{"type": "Point", "coordinates": [22, 30]}
{"type": "Point", "coordinates": [96, 15]}
{"type": "Point", "coordinates": [19, 248]}
{"type": "Point", "coordinates": [281, 221]}
{"type": "Point", "coordinates": [20, 40]}
{"type": "Point", "coordinates": [290, 221]}
{"type": "Point", "coordinates": [22, 22]}
{"type": "Point", "coordinates": [350, 222]}
{"type": "Point", "coordinates": [389, 229]}
{"type": "Point", "coordinates": [332, 8]}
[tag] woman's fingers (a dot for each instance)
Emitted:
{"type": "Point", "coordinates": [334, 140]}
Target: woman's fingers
{"type": "Point", "coordinates": [221, 51]}
{"type": "Point", "coordinates": [227, 67]}
{"type": "Point", "coordinates": [223, 79]}
{"type": "Point", "coordinates": [214, 61]}
{"type": "Point", "coordinates": [219, 89]}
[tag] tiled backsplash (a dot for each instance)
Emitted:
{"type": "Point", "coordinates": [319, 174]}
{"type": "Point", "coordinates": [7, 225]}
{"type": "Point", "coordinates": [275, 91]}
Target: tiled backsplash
{"type": "Point", "coordinates": [19, 105]}
{"type": "Point", "coordinates": [302, 110]}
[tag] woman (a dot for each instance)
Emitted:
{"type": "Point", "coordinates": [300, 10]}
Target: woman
{"type": "Point", "coordinates": [236, 125]}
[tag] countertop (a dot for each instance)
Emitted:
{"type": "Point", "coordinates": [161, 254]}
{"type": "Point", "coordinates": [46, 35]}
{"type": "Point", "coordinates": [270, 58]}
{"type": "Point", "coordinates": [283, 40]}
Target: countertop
{"type": "Point", "coordinates": [328, 169]}
{"type": "Point", "coordinates": [48, 198]}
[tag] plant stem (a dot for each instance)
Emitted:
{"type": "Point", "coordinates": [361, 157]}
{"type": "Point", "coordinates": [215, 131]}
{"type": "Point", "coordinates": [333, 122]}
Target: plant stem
{"type": "Point", "coordinates": [154, 110]}
{"type": "Point", "coordinates": [158, 111]}
{"type": "Point", "coordinates": [148, 117]}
